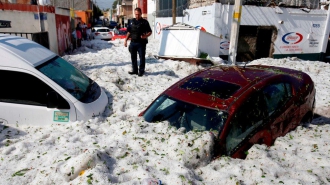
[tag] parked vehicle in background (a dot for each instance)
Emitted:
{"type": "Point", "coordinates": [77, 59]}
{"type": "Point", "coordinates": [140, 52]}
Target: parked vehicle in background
{"type": "Point", "coordinates": [103, 33]}
{"type": "Point", "coordinates": [119, 34]}
{"type": "Point", "coordinates": [241, 106]}
{"type": "Point", "coordinates": [99, 23]}
{"type": "Point", "coordinates": [42, 88]}
{"type": "Point", "coordinates": [112, 24]}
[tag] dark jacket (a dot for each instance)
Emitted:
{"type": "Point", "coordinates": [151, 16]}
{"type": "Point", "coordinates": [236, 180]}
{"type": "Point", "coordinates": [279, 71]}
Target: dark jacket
{"type": "Point", "coordinates": [136, 28]}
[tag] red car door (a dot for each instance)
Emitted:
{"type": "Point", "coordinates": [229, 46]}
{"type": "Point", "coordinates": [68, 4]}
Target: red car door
{"type": "Point", "coordinates": [266, 114]}
{"type": "Point", "coordinates": [286, 111]}
{"type": "Point", "coordinates": [245, 124]}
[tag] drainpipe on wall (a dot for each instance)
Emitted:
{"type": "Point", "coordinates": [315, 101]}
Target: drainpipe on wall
{"type": "Point", "coordinates": [39, 16]}
{"type": "Point", "coordinates": [173, 11]}
{"type": "Point", "coordinates": [155, 15]}
{"type": "Point", "coordinates": [227, 21]}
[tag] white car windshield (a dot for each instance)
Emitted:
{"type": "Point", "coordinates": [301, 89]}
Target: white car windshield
{"type": "Point", "coordinates": [71, 79]}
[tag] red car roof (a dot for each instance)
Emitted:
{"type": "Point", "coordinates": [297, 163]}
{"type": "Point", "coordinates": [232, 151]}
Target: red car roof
{"type": "Point", "coordinates": [234, 81]}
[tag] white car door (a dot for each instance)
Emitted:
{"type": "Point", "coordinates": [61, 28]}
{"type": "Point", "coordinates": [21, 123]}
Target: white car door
{"type": "Point", "coordinates": [16, 114]}
{"type": "Point", "coordinates": [26, 99]}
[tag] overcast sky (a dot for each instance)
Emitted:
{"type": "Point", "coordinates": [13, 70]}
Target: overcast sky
{"type": "Point", "coordinates": [104, 4]}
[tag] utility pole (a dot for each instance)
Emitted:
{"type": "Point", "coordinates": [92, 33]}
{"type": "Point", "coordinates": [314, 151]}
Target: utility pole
{"type": "Point", "coordinates": [72, 14]}
{"type": "Point", "coordinates": [92, 12]}
{"type": "Point", "coordinates": [235, 31]}
{"type": "Point", "coordinates": [326, 33]}
{"type": "Point", "coordinates": [154, 22]}
{"type": "Point", "coordinates": [173, 11]}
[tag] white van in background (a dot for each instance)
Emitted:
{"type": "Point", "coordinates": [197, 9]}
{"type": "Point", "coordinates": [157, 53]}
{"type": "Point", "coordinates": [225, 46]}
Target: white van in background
{"type": "Point", "coordinates": [38, 87]}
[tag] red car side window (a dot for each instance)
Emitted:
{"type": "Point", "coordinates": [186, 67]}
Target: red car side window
{"type": "Point", "coordinates": [276, 95]}
{"type": "Point", "coordinates": [253, 112]}
{"type": "Point", "coordinates": [248, 117]}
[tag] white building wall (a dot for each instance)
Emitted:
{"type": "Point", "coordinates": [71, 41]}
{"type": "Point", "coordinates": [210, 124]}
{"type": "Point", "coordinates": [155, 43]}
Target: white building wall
{"type": "Point", "coordinates": [134, 5]}
{"type": "Point", "coordinates": [25, 22]}
{"type": "Point", "coordinates": [310, 25]}
{"type": "Point", "coordinates": [216, 19]}
{"type": "Point", "coordinates": [205, 17]}
{"type": "Point", "coordinates": [151, 16]}
{"type": "Point", "coordinates": [50, 26]}
{"type": "Point", "coordinates": [20, 21]}
{"type": "Point", "coordinates": [151, 6]}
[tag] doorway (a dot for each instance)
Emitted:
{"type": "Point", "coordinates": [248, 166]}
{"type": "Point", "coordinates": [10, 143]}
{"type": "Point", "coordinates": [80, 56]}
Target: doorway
{"type": "Point", "coordinates": [264, 40]}
{"type": "Point", "coordinates": [255, 42]}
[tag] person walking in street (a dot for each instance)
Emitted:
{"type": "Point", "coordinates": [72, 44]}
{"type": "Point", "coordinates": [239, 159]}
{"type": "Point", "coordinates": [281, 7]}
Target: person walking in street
{"type": "Point", "coordinates": [84, 33]}
{"type": "Point", "coordinates": [89, 32]}
{"type": "Point", "coordinates": [138, 30]}
{"type": "Point", "coordinates": [78, 34]}
{"type": "Point", "coordinates": [79, 37]}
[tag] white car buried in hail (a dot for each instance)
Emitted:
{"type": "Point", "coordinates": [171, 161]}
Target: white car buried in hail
{"type": "Point", "coordinates": [43, 88]}
{"type": "Point", "coordinates": [103, 33]}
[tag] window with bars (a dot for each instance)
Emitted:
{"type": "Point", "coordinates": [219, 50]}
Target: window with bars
{"type": "Point", "coordinates": [164, 8]}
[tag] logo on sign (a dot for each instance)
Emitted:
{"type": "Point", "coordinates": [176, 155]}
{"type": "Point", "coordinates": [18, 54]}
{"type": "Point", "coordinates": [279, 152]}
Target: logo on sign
{"type": "Point", "coordinates": [292, 38]}
{"type": "Point", "coordinates": [224, 45]}
{"type": "Point", "coordinates": [316, 25]}
{"type": "Point", "coordinates": [201, 28]}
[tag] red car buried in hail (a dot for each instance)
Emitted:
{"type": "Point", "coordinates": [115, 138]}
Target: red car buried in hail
{"type": "Point", "coordinates": [119, 34]}
{"type": "Point", "coordinates": [241, 106]}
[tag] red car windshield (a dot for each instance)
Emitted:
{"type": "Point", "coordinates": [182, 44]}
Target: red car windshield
{"type": "Point", "coordinates": [182, 114]}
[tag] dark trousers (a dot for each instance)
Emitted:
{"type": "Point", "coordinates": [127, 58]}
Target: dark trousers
{"type": "Point", "coordinates": [134, 48]}
{"type": "Point", "coordinates": [79, 42]}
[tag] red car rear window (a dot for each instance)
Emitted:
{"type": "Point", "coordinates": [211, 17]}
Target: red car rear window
{"type": "Point", "coordinates": [212, 87]}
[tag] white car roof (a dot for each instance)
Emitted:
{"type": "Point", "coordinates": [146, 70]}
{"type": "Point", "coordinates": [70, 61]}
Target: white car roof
{"type": "Point", "coordinates": [26, 50]}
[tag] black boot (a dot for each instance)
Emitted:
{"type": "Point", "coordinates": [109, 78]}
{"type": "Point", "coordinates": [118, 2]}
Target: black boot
{"type": "Point", "coordinates": [132, 72]}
